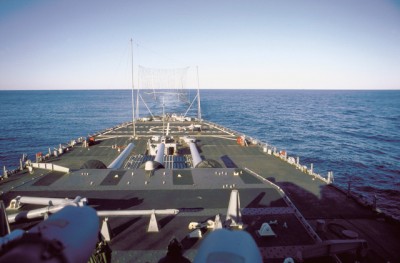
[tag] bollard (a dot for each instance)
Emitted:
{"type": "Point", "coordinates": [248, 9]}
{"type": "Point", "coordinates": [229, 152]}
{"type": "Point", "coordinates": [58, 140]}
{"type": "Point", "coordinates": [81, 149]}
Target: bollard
{"type": "Point", "coordinates": [5, 175]}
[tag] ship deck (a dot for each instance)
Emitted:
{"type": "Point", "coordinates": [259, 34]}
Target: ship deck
{"type": "Point", "coordinates": [201, 193]}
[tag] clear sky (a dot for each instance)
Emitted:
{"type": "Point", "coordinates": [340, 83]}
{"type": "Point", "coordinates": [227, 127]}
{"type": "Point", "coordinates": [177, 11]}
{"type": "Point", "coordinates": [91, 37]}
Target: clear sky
{"type": "Point", "coordinates": [272, 44]}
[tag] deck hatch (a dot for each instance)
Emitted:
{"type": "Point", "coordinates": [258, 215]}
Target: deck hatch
{"type": "Point", "coordinates": [229, 163]}
{"type": "Point", "coordinates": [113, 177]}
{"type": "Point", "coordinates": [182, 177]}
{"type": "Point", "coordinates": [247, 178]}
{"type": "Point", "coordinates": [49, 179]}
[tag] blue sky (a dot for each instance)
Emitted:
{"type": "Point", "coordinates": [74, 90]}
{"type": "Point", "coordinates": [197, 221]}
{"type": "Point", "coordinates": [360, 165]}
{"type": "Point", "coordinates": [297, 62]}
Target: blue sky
{"type": "Point", "coordinates": [268, 44]}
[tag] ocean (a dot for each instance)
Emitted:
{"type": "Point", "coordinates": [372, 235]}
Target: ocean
{"type": "Point", "coordinates": [355, 134]}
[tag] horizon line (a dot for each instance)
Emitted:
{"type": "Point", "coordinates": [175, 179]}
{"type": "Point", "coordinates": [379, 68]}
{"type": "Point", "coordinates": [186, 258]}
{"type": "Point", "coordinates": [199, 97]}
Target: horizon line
{"type": "Point", "coordinates": [311, 89]}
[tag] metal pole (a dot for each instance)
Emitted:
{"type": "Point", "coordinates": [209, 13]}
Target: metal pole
{"type": "Point", "coordinates": [119, 213]}
{"type": "Point", "coordinates": [36, 213]}
{"type": "Point", "coordinates": [163, 116]}
{"type": "Point", "coordinates": [133, 100]}
{"type": "Point", "coordinates": [138, 84]}
{"type": "Point", "coordinates": [198, 96]}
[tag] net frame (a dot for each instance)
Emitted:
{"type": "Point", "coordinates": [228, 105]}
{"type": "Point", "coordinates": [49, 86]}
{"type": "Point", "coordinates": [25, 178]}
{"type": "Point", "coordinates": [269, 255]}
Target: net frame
{"type": "Point", "coordinates": [156, 83]}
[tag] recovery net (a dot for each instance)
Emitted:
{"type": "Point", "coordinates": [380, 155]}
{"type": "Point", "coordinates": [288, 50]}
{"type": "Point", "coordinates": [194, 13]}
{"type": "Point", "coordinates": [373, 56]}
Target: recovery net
{"type": "Point", "coordinates": [166, 88]}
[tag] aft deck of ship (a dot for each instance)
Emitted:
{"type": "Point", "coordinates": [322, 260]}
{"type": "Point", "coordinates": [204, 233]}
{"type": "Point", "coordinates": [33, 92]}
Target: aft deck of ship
{"type": "Point", "coordinates": [201, 193]}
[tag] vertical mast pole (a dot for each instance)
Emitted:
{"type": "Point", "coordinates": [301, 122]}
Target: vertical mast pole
{"type": "Point", "coordinates": [198, 96]}
{"type": "Point", "coordinates": [133, 100]}
{"type": "Point", "coordinates": [138, 86]}
{"type": "Point", "coordinates": [137, 100]}
{"type": "Point", "coordinates": [163, 113]}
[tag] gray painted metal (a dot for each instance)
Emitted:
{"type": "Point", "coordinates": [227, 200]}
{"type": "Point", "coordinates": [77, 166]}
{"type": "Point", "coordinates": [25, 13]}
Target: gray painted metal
{"type": "Point", "coordinates": [195, 154]}
{"type": "Point", "coordinates": [44, 201]}
{"type": "Point", "coordinates": [160, 154]}
{"type": "Point", "coordinates": [50, 201]}
{"type": "Point", "coordinates": [119, 213]}
{"type": "Point", "coordinates": [36, 213]}
{"type": "Point", "coordinates": [117, 163]}
{"type": "Point", "coordinates": [4, 225]}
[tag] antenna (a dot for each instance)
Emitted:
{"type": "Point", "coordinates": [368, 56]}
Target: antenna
{"type": "Point", "coordinates": [163, 116]}
{"type": "Point", "coordinates": [198, 96]}
{"type": "Point", "coordinates": [138, 86]}
{"type": "Point", "coordinates": [133, 100]}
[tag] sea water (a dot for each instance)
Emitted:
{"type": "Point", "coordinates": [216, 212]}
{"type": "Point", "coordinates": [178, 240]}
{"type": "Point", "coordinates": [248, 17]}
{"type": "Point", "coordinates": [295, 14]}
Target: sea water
{"type": "Point", "coordinates": [355, 134]}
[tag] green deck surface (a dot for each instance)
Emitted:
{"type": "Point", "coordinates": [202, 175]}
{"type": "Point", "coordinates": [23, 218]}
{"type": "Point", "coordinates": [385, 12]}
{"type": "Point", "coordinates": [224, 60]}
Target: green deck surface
{"type": "Point", "coordinates": [202, 193]}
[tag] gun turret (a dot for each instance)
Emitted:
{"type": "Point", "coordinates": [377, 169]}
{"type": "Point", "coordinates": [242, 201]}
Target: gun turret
{"type": "Point", "coordinates": [69, 235]}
